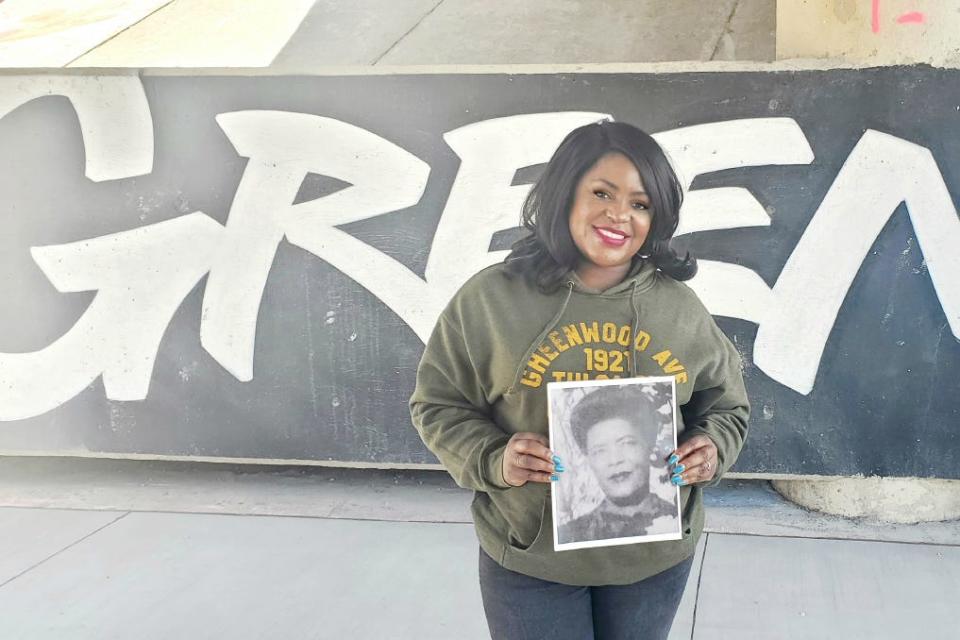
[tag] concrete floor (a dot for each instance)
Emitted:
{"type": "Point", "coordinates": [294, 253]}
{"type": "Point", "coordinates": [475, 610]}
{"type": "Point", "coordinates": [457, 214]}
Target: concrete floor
{"type": "Point", "coordinates": [134, 549]}
{"type": "Point", "coordinates": [105, 574]}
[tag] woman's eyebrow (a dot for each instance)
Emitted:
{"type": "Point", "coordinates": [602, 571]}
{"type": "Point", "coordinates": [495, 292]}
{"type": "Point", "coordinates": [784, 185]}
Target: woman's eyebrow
{"type": "Point", "coordinates": [616, 188]}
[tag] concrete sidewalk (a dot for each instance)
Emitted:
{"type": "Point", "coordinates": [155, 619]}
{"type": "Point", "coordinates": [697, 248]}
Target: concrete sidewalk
{"type": "Point", "coordinates": [107, 574]}
{"type": "Point", "coordinates": [392, 558]}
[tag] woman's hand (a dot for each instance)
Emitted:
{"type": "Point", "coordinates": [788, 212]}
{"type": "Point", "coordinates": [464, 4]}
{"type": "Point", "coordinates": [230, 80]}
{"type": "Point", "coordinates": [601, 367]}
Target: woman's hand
{"type": "Point", "coordinates": [693, 461]}
{"type": "Point", "coordinates": [528, 458]}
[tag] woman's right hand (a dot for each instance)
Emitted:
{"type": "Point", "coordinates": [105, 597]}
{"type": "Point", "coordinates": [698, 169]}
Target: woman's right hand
{"type": "Point", "coordinates": [528, 458]}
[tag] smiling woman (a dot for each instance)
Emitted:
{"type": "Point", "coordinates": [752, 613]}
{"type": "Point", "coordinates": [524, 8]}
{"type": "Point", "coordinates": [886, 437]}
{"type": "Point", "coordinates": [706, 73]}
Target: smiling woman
{"type": "Point", "coordinates": [595, 267]}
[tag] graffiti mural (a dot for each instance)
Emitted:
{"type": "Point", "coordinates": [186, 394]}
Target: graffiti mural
{"type": "Point", "coordinates": [281, 248]}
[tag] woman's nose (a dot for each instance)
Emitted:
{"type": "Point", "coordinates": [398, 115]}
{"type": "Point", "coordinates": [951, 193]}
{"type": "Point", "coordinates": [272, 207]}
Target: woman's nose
{"type": "Point", "coordinates": [617, 214]}
{"type": "Point", "coordinates": [613, 459]}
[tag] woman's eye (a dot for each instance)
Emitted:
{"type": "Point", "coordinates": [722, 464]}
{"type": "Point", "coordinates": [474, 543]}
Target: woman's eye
{"type": "Point", "coordinates": [601, 194]}
{"type": "Point", "coordinates": [639, 205]}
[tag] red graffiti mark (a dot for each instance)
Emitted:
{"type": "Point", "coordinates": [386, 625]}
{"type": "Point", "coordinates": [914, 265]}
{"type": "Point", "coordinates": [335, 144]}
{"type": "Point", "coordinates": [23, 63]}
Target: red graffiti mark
{"type": "Point", "coordinates": [913, 16]}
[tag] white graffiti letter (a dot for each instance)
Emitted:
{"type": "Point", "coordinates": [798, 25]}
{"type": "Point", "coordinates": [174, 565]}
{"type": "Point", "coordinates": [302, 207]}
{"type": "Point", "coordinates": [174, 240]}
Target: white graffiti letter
{"type": "Point", "coordinates": [729, 289]}
{"type": "Point", "coordinates": [141, 278]}
{"type": "Point", "coordinates": [114, 118]}
{"type": "Point", "coordinates": [283, 147]}
{"type": "Point", "coordinates": [881, 172]}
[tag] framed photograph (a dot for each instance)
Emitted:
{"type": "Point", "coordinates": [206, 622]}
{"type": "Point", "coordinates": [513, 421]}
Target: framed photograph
{"type": "Point", "coordinates": [614, 437]}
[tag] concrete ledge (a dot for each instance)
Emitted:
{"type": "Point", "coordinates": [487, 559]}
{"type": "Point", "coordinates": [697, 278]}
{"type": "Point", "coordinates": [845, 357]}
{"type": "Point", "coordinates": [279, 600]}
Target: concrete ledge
{"type": "Point", "coordinates": [900, 500]}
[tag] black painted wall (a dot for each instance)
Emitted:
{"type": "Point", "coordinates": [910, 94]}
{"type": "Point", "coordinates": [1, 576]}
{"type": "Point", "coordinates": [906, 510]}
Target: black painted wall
{"type": "Point", "coordinates": [334, 365]}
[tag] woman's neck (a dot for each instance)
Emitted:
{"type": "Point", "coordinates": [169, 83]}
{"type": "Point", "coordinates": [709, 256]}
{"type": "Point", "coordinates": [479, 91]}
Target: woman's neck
{"type": "Point", "coordinates": [601, 278]}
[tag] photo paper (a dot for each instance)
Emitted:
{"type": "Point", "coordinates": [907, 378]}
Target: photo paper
{"type": "Point", "coordinates": [614, 438]}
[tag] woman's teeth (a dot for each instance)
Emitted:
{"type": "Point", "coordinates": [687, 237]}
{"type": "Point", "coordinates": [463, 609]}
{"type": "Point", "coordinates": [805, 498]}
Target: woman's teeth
{"type": "Point", "coordinates": [611, 234]}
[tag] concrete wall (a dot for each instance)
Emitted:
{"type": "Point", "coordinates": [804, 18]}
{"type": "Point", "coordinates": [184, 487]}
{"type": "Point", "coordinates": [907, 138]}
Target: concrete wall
{"type": "Point", "coordinates": [245, 267]}
{"type": "Point", "coordinates": [305, 34]}
{"type": "Point", "coordinates": [870, 31]}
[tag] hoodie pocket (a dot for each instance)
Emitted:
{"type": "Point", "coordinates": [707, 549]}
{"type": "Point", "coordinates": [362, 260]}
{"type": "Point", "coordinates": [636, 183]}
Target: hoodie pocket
{"type": "Point", "coordinates": [527, 542]}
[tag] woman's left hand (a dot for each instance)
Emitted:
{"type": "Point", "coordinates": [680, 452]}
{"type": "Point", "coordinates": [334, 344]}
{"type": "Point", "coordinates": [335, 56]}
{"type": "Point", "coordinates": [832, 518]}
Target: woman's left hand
{"type": "Point", "coordinates": [693, 461]}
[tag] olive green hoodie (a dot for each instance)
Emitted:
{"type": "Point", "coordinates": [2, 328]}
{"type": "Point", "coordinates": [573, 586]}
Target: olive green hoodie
{"type": "Point", "coordinates": [483, 377]}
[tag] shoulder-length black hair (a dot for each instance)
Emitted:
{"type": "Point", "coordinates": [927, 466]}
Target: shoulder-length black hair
{"type": "Point", "coordinates": [548, 252]}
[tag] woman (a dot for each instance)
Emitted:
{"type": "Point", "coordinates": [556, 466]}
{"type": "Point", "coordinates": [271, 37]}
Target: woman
{"type": "Point", "coordinates": [617, 450]}
{"type": "Point", "coordinates": [593, 291]}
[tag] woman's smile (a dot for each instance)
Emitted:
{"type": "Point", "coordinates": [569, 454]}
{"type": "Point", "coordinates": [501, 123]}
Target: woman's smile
{"type": "Point", "coordinates": [612, 237]}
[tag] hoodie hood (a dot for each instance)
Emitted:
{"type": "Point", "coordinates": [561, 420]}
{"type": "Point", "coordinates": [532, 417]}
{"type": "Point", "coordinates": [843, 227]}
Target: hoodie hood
{"type": "Point", "coordinates": [641, 275]}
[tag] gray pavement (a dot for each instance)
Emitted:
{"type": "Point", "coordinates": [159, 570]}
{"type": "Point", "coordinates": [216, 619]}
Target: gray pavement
{"type": "Point", "coordinates": [162, 575]}
{"type": "Point", "coordinates": [152, 550]}
{"type": "Point", "coordinates": [180, 575]}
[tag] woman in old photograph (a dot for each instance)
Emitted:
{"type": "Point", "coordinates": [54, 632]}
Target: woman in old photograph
{"type": "Point", "coordinates": [614, 430]}
{"type": "Point", "coordinates": [592, 290]}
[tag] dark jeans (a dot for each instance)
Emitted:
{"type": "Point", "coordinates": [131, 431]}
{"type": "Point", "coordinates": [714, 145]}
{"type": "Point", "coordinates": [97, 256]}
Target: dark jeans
{"type": "Point", "coordinates": [519, 607]}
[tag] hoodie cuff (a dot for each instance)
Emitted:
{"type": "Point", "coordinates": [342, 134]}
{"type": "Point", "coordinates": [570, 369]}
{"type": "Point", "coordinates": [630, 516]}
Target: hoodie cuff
{"type": "Point", "coordinates": [493, 469]}
{"type": "Point", "coordinates": [721, 464]}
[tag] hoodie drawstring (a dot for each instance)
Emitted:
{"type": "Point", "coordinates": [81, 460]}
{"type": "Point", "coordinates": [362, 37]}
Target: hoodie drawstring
{"type": "Point", "coordinates": [543, 334]}
{"type": "Point", "coordinates": [634, 371]}
{"type": "Point", "coordinates": [635, 326]}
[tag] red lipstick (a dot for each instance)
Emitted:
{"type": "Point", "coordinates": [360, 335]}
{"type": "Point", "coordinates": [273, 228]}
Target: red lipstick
{"type": "Point", "coordinates": [611, 237]}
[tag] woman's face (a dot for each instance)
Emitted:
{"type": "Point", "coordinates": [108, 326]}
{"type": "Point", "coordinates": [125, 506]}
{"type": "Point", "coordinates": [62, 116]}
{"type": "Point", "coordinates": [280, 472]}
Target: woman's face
{"type": "Point", "coordinates": [618, 458]}
{"type": "Point", "coordinates": [610, 218]}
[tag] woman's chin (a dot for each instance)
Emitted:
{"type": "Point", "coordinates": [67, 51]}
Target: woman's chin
{"type": "Point", "coordinates": [628, 496]}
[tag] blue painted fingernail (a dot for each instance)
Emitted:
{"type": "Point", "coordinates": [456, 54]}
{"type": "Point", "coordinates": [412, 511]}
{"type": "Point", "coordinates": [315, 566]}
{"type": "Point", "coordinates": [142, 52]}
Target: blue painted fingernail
{"type": "Point", "coordinates": [673, 459]}
{"type": "Point", "coordinates": [559, 467]}
{"type": "Point", "coordinates": [676, 479]}
{"type": "Point", "coordinates": [556, 459]}
{"type": "Point", "coordinates": [554, 478]}
{"type": "Point", "coordinates": [679, 468]}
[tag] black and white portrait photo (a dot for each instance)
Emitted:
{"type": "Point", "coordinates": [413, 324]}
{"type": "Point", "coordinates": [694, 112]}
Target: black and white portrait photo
{"type": "Point", "coordinates": [614, 437]}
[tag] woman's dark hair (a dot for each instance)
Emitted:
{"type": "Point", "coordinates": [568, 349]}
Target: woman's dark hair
{"type": "Point", "coordinates": [606, 403]}
{"type": "Point", "coordinates": [544, 255]}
